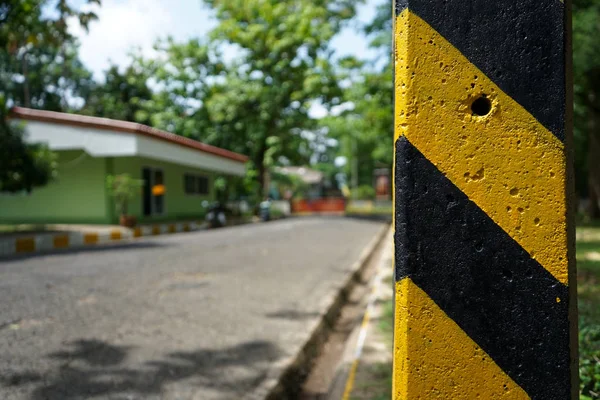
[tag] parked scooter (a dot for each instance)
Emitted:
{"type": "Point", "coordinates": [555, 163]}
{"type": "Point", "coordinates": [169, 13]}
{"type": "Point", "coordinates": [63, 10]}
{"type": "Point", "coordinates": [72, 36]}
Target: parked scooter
{"type": "Point", "coordinates": [216, 215]}
{"type": "Point", "coordinates": [265, 210]}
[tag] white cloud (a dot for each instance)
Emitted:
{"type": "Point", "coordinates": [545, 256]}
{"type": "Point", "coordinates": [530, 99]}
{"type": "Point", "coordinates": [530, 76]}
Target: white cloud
{"type": "Point", "coordinates": [350, 41]}
{"type": "Point", "coordinates": [127, 24]}
{"type": "Point", "coordinates": [123, 25]}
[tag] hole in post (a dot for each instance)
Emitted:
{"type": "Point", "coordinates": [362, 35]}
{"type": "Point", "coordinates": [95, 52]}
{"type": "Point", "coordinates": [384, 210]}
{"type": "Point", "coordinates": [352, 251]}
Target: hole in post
{"type": "Point", "coordinates": [481, 106]}
{"type": "Point", "coordinates": [479, 247]}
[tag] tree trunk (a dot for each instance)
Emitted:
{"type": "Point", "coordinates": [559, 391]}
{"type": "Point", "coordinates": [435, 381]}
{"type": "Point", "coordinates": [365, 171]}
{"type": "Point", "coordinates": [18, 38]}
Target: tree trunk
{"type": "Point", "coordinates": [26, 94]}
{"type": "Point", "coordinates": [593, 166]}
{"type": "Point", "coordinates": [262, 169]}
{"type": "Point", "coordinates": [63, 54]}
{"type": "Point", "coordinates": [593, 211]}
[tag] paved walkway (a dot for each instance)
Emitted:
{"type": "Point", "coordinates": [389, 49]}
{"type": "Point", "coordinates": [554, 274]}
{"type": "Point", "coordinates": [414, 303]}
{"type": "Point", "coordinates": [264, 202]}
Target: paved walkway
{"type": "Point", "coordinates": [206, 315]}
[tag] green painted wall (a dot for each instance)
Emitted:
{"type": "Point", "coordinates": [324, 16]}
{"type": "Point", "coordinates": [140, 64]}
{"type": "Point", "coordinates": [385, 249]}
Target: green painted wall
{"type": "Point", "coordinates": [77, 196]}
{"type": "Point", "coordinates": [178, 204]}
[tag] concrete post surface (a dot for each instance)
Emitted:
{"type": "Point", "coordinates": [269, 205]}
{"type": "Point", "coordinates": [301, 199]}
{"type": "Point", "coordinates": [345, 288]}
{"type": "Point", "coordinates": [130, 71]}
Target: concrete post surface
{"type": "Point", "coordinates": [485, 302]}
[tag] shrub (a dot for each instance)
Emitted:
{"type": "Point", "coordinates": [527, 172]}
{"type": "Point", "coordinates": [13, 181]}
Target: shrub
{"type": "Point", "coordinates": [363, 192]}
{"type": "Point", "coordinates": [123, 188]}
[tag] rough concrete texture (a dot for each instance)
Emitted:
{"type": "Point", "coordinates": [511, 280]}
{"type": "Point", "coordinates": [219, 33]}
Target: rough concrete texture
{"type": "Point", "coordinates": [496, 302]}
{"type": "Point", "coordinates": [520, 45]}
{"type": "Point", "coordinates": [204, 315]}
{"type": "Point", "coordinates": [482, 298]}
{"type": "Point", "coordinates": [506, 161]}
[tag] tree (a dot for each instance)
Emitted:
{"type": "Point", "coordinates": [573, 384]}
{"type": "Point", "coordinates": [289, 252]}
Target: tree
{"type": "Point", "coordinates": [183, 74]}
{"type": "Point", "coordinates": [123, 95]}
{"type": "Point", "coordinates": [39, 66]}
{"type": "Point", "coordinates": [23, 166]}
{"type": "Point", "coordinates": [586, 66]}
{"type": "Point", "coordinates": [44, 86]}
{"type": "Point", "coordinates": [256, 103]}
{"type": "Point", "coordinates": [282, 66]}
{"type": "Point", "coordinates": [365, 131]}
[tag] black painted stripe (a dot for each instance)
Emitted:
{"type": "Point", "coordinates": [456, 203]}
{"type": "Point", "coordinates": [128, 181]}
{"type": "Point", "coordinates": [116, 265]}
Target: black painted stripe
{"type": "Point", "coordinates": [480, 277]}
{"type": "Point", "coordinates": [400, 5]}
{"type": "Point", "coordinates": [519, 44]}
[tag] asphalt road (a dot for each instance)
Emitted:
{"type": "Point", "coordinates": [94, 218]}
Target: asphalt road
{"type": "Point", "coordinates": [202, 315]}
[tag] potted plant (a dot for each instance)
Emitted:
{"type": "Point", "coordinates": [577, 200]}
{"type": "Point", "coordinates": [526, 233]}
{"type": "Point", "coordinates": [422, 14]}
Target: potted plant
{"type": "Point", "coordinates": [123, 188]}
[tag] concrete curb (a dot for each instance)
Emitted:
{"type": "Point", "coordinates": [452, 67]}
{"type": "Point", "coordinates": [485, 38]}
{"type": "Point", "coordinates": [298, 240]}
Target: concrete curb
{"type": "Point", "coordinates": [318, 213]}
{"type": "Point", "coordinates": [286, 377]}
{"type": "Point", "coordinates": [44, 242]}
{"type": "Point", "coordinates": [345, 378]}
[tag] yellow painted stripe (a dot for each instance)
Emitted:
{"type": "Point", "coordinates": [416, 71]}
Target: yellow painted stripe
{"type": "Point", "coordinates": [156, 230]}
{"type": "Point", "coordinates": [172, 228]}
{"type": "Point", "coordinates": [186, 227]}
{"type": "Point", "coordinates": [90, 238]}
{"type": "Point", "coordinates": [115, 234]}
{"type": "Point", "coordinates": [137, 232]}
{"type": "Point", "coordinates": [435, 359]}
{"type": "Point", "coordinates": [511, 166]}
{"type": "Point", "coordinates": [61, 241]}
{"type": "Point", "coordinates": [354, 366]}
{"type": "Point", "coordinates": [362, 335]}
{"type": "Point", "coordinates": [25, 245]}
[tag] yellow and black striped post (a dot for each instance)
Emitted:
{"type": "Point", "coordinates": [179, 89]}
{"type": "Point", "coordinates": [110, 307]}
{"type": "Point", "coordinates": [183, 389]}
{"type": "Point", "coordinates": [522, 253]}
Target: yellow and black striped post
{"type": "Point", "coordinates": [485, 280]}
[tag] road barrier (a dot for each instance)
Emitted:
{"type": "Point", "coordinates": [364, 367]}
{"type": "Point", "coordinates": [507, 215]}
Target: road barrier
{"type": "Point", "coordinates": [485, 282]}
{"type": "Point", "coordinates": [328, 205]}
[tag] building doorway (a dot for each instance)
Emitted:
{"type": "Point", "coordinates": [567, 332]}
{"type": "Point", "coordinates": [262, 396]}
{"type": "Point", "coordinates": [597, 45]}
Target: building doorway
{"type": "Point", "coordinates": [153, 201]}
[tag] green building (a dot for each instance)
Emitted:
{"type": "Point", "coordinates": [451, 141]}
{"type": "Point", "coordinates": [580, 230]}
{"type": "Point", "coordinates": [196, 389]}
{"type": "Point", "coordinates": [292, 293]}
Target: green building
{"type": "Point", "coordinates": [90, 148]}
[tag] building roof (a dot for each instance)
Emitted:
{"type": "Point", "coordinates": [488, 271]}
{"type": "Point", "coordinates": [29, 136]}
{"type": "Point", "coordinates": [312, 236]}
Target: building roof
{"type": "Point", "coordinates": [121, 126]}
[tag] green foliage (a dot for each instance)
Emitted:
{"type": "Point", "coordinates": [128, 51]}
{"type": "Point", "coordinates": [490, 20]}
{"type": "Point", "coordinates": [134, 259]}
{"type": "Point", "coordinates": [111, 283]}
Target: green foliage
{"type": "Point", "coordinates": [183, 73]}
{"type": "Point", "coordinates": [47, 75]}
{"type": "Point", "coordinates": [586, 77]}
{"type": "Point", "coordinates": [589, 355]}
{"type": "Point", "coordinates": [363, 192]}
{"type": "Point", "coordinates": [276, 213]}
{"type": "Point", "coordinates": [386, 324]}
{"type": "Point", "coordinates": [365, 132]}
{"type": "Point", "coordinates": [293, 183]}
{"type": "Point", "coordinates": [380, 29]}
{"type": "Point", "coordinates": [588, 291]}
{"type": "Point", "coordinates": [258, 103]}
{"type": "Point", "coordinates": [39, 65]}
{"type": "Point", "coordinates": [123, 188]}
{"type": "Point", "coordinates": [589, 321]}
{"type": "Point", "coordinates": [123, 95]}
{"type": "Point", "coordinates": [23, 166]}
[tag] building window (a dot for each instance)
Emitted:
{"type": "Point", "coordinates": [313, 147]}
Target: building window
{"type": "Point", "coordinates": [189, 184]}
{"type": "Point", "coordinates": [196, 184]}
{"type": "Point", "coordinates": [202, 185]}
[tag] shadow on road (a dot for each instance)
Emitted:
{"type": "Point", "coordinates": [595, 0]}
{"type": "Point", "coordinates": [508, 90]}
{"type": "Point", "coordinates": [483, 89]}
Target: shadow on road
{"type": "Point", "coordinates": [93, 368]}
{"type": "Point", "coordinates": [292, 314]}
{"type": "Point", "coordinates": [93, 352]}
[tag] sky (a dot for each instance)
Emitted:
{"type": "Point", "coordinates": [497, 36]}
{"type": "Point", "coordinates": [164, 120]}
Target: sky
{"type": "Point", "coordinates": [127, 24]}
